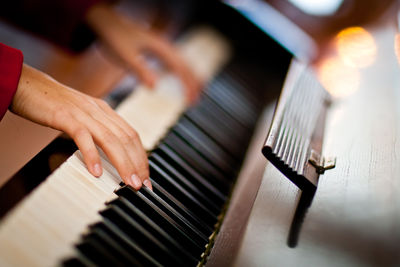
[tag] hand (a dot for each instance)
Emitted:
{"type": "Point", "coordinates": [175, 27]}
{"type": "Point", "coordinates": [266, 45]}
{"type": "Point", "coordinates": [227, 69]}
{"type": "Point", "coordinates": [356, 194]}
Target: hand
{"type": "Point", "coordinates": [87, 120]}
{"type": "Point", "coordinates": [128, 41]}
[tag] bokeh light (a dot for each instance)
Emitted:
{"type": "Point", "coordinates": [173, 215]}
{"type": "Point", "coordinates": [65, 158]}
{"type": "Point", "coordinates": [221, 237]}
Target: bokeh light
{"type": "Point", "coordinates": [356, 47]}
{"type": "Point", "coordinates": [397, 46]}
{"type": "Point", "coordinates": [338, 78]}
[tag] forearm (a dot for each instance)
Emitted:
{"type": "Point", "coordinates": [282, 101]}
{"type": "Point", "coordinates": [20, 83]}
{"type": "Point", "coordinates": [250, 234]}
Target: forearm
{"type": "Point", "coordinates": [35, 97]}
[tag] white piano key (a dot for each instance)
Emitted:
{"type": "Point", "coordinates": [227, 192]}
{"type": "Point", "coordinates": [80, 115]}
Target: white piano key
{"type": "Point", "coordinates": [108, 181]}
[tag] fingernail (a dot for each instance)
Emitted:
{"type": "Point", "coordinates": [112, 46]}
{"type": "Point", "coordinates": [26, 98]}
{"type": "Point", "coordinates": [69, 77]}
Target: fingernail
{"type": "Point", "coordinates": [137, 183]}
{"type": "Point", "coordinates": [97, 170]}
{"type": "Point", "coordinates": [147, 183]}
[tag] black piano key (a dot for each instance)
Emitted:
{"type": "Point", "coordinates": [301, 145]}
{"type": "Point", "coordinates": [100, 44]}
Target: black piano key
{"type": "Point", "coordinates": [205, 146]}
{"type": "Point", "coordinates": [245, 86]}
{"type": "Point", "coordinates": [113, 247]}
{"type": "Point", "coordinates": [190, 155]}
{"type": "Point", "coordinates": [226, 141]}
{"type": "Point", "coordinates": [219, 117]}
{"type": "Point", "coordinates": [200, 188]}
{"type": "Point", "coordinates": [175, 215]}
{"type": "Point", "coordinates": [138, 234]}
{"type": "Point", "coordinates": [159, 174]}
{"type": "Point", "coordinates": [242, 90]}
{"type": "Point", "coordinates": [247, 80]}
{"type": "Point", "coordinates": [232, 91]}
{"type": "Point", "coordinates": [92, 247]}
{"type": "Point", "coordinates": [220, 121]}
{"type": "Point", "coordinates": [135, 251]}
{"type": "Point", "coordinates": [218, 99]}
{"type": "Point", "coordinates": [202, 142]}
{"type": "Point", "coordinates": [194, 234]}
{"type": "Point", "coordinates": [168, 184]}
{"type": "Point", "coordinates": [195, 160]}
{"type": "Point", "coordinates": [74, 262]}
{"type": "Point", "coordinates": [228, 132]}
{"type": "Point", "coordinates": [177, 205]}
{"type": "Point", "coordinates": [173, 243]}
{"type": "Point", "coordinates": [78, 260]}
{"type": "Point", "coordinates": [183, 167]}
{"type": "Point", "coordinates": [161, 218]}
{"type": "Point", "coordinates": [217, 93]}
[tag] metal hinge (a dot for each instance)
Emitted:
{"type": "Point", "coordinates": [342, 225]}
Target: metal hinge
{"type": "Point", "coordinates": [321, 164]}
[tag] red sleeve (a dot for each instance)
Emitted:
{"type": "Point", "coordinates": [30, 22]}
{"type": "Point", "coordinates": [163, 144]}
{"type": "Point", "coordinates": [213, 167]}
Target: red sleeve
{"type": "Point", "coordinates": [60, 21]}
{"type": "Point", "coordinates": [10, 70]}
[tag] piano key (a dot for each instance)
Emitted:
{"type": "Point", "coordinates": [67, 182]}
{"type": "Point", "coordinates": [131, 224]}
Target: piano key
{"type": "Point", "coordinates": [201, 121]}
{"type": "Point", "coordinates": [161, 218]}
{"type": "Point", "coordinates": [219, 95]}
{"type": "Point", "coordinates": [221, 182]}
{"type": "Point", "coordinates": [250, 85]}
{"type": "Point", "coordinates": [168, 184]}
{"type": "Point", "coordinates": [191, 231]}
{"type": "Point", "coordinates": [143, 257]}
{"type": "Point", "coordinates": [178, 217]}
{"type": "Point", "coordinates": [230, 132]}
{"type": "Point", "coordinates": [193, 158]}
{"type": "Point", "coordinates": [78, 261]}
{"type": "Point", "coordinates": [228, 88]}
{"type": "Point", "coordinates": [93, 249]}
{"type": "Point", "coordinates": [113, 247]}
{"type": "Point", "coordinates": [173, 243]}
{"type": "Point", "coordinates": [204, 145]}
{"type": "Point", "coordinates": [243, 88]}
{"type": "Point", "coordinates": [202, 187]}
{"type": "Point", "coordinates": [207, 141]}
{"type": "Point", "coordinates": [177, 205]}
{"type": "Point", "coordinates": [215, 131]}
{"type": "Point", "coordinates": [160, 175]}
{"type": "Point", "coordinates": [138, 234]}
{"type": "Point", "coordinates": [220, 117]}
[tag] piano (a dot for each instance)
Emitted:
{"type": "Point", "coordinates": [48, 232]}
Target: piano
{"type": "Point", "coordinates": [195, 155]}
{"type": "Point", "coordinates": [216, 199]}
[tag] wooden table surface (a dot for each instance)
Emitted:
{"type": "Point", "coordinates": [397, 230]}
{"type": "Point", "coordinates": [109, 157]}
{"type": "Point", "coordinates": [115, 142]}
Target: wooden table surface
{"type": "Point", "coordinates": [354, 218]}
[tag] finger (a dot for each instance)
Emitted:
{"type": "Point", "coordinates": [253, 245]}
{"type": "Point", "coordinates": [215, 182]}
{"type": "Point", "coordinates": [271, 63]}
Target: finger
{"type": "Point", "coordinates": [112, 147]}
{"type": "Point", "coordinates": [118, 156]}
{"type": "Point", "coordinates": [171, 58]}
{"type": "Point", "coordinates": [85, 143]}
{"type": "Point", "coordinates": [139, 65]}
{"type": "Point", "coordinates": [101, 112]}
{"type": "Point", "coordinates": [131, 143]}
{"type": "Point", "coordinates": [130, 139]}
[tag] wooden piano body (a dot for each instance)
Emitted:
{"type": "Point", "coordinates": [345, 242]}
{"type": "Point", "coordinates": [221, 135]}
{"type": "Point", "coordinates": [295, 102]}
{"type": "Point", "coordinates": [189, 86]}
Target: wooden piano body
{"type": "Point", "coordinates": [354, 216]}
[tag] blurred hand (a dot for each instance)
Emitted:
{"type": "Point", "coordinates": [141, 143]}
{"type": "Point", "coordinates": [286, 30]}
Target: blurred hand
{"type": "Point", "coordinates": [87, 120]}
{"type": "Point", "coordinates": [128, 41]}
